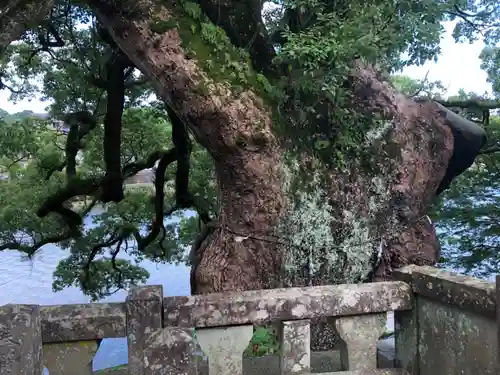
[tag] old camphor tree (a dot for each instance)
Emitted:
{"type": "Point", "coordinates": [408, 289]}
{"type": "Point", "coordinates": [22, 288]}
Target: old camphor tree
{"type": "Point", "coordinates": [282, 132]}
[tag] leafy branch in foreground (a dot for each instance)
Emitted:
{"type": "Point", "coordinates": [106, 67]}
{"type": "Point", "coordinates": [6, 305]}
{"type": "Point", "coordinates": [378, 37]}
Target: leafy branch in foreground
{"type": "Point", "coordinates": [85, 167]}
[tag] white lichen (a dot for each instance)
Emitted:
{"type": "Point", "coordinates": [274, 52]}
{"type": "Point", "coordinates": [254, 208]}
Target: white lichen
{"type": "Point", "coordinates": [378, 131]}
{"type": "Point", "coordinates": [307, 229]}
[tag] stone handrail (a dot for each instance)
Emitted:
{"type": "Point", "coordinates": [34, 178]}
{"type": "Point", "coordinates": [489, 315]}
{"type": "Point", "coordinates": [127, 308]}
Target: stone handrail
{"type": "Point", "coordinates": [80, 322]}
{"type": "Point", "coordinates": [62, 323]}
{"type": "Point", "coordinates": [453, 327]}
{"type": "Point", "coordinates": [151, 323]}
{"type": "Point", "coordinates": [445, 324]}
{"type": "Point", "coordinates": [259, 306]}
{"type": "Point", "coordinates": [474, 295]}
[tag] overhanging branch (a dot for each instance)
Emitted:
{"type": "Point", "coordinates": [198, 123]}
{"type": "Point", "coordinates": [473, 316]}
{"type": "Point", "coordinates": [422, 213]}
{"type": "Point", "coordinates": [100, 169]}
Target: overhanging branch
{"type": "Point", "coordinates": [471, 103]}
{"type": "Point", "coordinates": [18, 15]}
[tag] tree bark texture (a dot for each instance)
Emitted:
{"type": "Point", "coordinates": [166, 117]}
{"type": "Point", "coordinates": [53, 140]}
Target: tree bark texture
{"type": "Point", "coordinates": [375, 215]}
{"type": "Point", "coordinates": [365, 221]}
{"type": "Point", "coordinates": [18, 15]}
{"type": "Point", "coordinates": [378, 219]}
{"type": "Point", "coordinates": [249, 173]}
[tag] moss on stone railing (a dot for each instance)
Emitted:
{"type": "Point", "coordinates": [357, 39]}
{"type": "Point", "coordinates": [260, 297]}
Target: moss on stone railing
{"type": "Point", "coordinates": [443, 321]}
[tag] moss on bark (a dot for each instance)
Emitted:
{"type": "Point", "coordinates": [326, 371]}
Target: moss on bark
{"type": "Point", "coordinates": [209, 45]}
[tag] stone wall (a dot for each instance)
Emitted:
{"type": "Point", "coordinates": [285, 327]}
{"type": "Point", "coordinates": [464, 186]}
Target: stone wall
{"type": "Point", "coordinates": [452, 328]}
{"type": "Point", "coordinates": [321, 362]}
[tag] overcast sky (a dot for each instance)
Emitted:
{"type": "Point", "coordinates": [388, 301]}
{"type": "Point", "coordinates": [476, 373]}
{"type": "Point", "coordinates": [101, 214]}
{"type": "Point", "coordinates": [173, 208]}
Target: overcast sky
{"type": "Point", "coordinates": [458, 67]}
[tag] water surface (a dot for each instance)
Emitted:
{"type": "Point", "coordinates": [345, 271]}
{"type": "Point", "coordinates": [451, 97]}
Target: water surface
{"type": "Point", "coordinates": [30, 282]}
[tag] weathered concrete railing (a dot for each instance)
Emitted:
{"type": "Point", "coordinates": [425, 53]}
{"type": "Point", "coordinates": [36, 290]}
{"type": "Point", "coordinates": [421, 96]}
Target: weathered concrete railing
{"type": "Point", "coordinates": [452, 328]}
{"type": "Point", "coordinates": [159, 330]}
{"type": "Point", "coordinates": [445, 324]}
{"type": "Point", "coordinates": [357, 311]}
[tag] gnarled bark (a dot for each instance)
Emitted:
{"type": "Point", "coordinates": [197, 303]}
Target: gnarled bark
{"type": "Point", "coordinates": [410, 156]}
{"type": "Point", "coordinates": [18, 15]}
{"type": "Point", "coordinates": [376, 214]}
{"type": "Point", "coordinates": [386, 208]}
{"type": "Point", "coordinates": [236, 131]}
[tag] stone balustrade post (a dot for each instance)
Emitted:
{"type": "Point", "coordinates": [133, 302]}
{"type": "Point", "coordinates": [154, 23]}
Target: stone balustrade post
{"type": "Point", "coordinates": [170, 351]}
{"type": "Point", "coordinates": [20, 340]}
{"type": "Point", "coordinates": [144, 309]}
{"type": "Point", "coordinates": [296, 347]}
{"type": "Point", "coordinates": [498, 319]}
{"type": "Point", "coordinates": [360, 334]}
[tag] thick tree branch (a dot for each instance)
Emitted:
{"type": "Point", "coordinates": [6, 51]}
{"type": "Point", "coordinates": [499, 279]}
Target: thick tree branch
{"type": "Point", "coordinates": [471, 103]}
{"type": "Point", "coordinates": [157, 222]}
{"type": "Point", "coordinates": [18, 15]}
{"type": "Point", "coordinates": [80, 124]}
{"type": "Point", "coordinates": [113, 240]}
{"type": "Point", "coordinates": [491, 149]}
{"type": "Point", "coordinates": [31, 249]}
{"type": "Point", "coordinates": [113, 180]}
{"type": "Point", "coordinates": [74, 187]}
{"type": "Point", "coordinates": [80, 187]}
{"type": "Point", "coordinates": [180, 153]}
{"type": "Point", "coordinates": [183, 147]}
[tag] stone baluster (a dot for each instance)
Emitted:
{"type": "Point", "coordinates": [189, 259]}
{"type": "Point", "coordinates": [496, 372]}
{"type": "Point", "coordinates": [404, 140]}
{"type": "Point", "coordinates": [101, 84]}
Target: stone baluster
{"type": "Point", "coordinates": [497, 290]}
{"type": "Point", "coordinates": [224, 348]}
{"type": "Point", "coordinates": [20, 340]}
{"type": "Point", "coordinates": [360, 335]}
{"type": "Point", "coordinates": [296, 347]}
{"type": "Point", "coordinates": [170, 351]}
{"type": "Point", "coordinates": [73, 358]}
{"type": "Point", "coordinates": [144, 307]}
{"type": "Point", "coordinates": [406, 340]}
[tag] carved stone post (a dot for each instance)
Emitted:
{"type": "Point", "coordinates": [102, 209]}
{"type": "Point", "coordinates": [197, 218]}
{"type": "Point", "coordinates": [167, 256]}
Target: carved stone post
{"type": "Point", "coordinates": [360, 334]}
{"type": "Point", "coordinates": [170, 351]}
{"type": "Point", "coordinates": [296, 348]}
{"type": "Point", "coordinates": [407, 330]}
{"type": "Point", "coordinates": [20, 340]}
{"type": "Point", "coordinates": [224, 347]}
{"type": "Point", "coordinates": [144, 307]}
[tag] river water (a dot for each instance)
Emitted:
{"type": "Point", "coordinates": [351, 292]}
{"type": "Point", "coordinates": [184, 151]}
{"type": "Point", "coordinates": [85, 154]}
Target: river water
{"type": "Point", "coordinates": [30, 282]}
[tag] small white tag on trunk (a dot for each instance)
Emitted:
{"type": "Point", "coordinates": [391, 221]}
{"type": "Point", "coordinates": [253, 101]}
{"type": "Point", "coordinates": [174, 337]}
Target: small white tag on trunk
{"type": "Point", "coordinates": [240, 238]}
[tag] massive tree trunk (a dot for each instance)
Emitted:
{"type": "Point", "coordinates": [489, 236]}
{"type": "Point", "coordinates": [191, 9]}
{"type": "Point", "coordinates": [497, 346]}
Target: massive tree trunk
{"type": "Point", "coordinates": [376, 216]}
{"type": "Point", "coordinates": [341, 223]}
{"type": "Point", "coordinates": [236, 131]}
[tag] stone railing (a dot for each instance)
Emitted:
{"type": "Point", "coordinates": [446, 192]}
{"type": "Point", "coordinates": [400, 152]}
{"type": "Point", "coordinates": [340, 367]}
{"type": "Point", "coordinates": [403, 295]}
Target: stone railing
{"type": "Point", "coordinates": [445, 324]}
{"type": "Point", "coordinates": [452, 328]}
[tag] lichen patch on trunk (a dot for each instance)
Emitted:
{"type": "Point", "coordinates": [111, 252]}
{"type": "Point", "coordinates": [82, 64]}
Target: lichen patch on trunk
{"type": "Point", "coordinates": [356, 221]}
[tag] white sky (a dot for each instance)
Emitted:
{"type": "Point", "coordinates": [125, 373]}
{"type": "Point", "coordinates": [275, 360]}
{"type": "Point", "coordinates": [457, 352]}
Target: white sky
{"type": "Point", "coordinates": [458, 67]}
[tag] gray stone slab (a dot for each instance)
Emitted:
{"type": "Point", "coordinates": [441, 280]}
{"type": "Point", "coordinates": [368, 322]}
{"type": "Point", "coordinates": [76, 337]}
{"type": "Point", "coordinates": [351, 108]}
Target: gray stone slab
{"type": "Point", "coordinates": [260, 306]}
